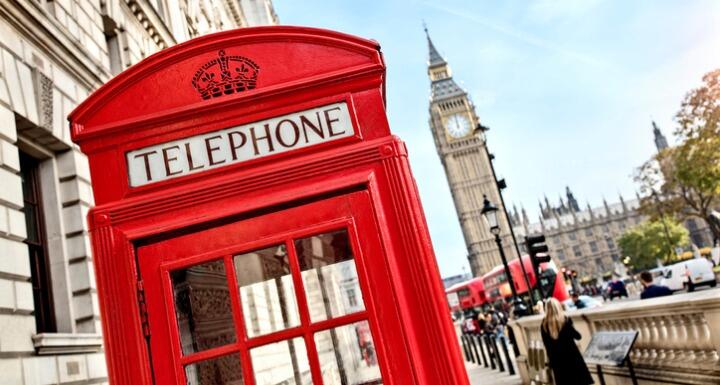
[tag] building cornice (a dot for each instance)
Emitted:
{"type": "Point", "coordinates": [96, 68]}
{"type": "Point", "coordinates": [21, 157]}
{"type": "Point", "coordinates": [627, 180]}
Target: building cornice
{"type": "Point", "coordinates": [66, 343]}
{"type": "Point", "coordinates": [41, 29]}
{"type": "Point", "coordinates": [151, 21]}
{"type": "Point", "coordinates": [236, 12]}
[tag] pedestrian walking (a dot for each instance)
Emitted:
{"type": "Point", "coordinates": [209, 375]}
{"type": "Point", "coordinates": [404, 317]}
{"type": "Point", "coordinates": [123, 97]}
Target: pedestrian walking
{"type": "Point", "coordinates": [650, 290]}
{"type": "Point", "coordinates": [490, 324]}
{"type": "Point", "coordinates": [470, 324]}
{"type": "Point", "coordinates": [481, 322]}
{"type": "Point", "coordinates": [502, 320]}
{"type": "Point", "coordinates": [577, 302]}
{"type": "Point", "coordinates": [559, 335]}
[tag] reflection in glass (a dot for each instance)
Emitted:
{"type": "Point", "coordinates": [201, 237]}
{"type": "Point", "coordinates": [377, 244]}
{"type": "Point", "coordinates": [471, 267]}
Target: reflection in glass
{"type": "Point", "coordinates": [225, 370]}
{"type": "Point", "coordinates": [328, 270]}
{"type": "Point", "coordinates": [282, 363]}
{"type": "Point", "coordinates": [266, 290]}
{"type": "Point", "coordinates": [347, 355]}
{"type": "Point", "coordinates": [202, 307]}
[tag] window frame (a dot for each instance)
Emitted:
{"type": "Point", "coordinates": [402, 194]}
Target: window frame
{"type": "Point", "coordinates": [158, 258]}
{"type": "Point", "coordinates": [39, 259]}
{"type": "Point", "coordinates": [244, 344]}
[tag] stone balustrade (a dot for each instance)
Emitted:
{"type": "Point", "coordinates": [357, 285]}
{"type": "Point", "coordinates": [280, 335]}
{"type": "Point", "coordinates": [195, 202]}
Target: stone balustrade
{"type": "Point", "coordinates": [678, 341]}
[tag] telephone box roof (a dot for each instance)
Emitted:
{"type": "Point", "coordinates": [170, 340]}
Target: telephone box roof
{"type": "Point", "coordinates": [170, 78]}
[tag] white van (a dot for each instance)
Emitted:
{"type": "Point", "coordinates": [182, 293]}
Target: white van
{"type": "Point", "coordinates": [689, 274]}
{"type": "Point", "coordinates": [658, 274]}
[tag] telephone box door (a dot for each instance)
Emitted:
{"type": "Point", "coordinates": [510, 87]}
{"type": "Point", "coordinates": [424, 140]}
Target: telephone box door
{"type": "Point", "coordinates": [296, 295]}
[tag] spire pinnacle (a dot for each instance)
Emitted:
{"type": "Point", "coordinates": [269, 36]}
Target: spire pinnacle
{"type": "Point", "coordinates": [434, 57]}
{"type": "Point", "coordinates": [660, 140]}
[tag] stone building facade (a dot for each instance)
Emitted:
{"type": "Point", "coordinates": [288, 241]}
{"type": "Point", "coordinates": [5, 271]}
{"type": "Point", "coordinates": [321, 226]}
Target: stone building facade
{"type": "Point", "coordinates": [463, 152]}
{"type": "Point", "coordinates": [582, 240]}
{"type": "Point", "coordinates": [52, 55]}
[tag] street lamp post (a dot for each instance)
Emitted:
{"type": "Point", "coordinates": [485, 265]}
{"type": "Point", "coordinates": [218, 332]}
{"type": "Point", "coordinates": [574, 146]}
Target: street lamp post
{"type": "Point", "coordinates": [501, 184]}
{"type": "Point", "coordinates": [489, 212]}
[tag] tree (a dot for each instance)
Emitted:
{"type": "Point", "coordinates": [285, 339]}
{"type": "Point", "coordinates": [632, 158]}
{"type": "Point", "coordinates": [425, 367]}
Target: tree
{"type": "Point", "coordinates": [648, 242]}
{"type": "Point", "coordinates": [684, 181]}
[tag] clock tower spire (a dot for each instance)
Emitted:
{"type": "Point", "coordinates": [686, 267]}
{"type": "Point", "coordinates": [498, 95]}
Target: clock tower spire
{"type": "Point", "coordinates": [461, 147]}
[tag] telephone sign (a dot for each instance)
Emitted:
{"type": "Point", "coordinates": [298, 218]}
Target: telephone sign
{"type": "Point", "coordinates": [238, 144]}
{"type": "Point", "coordinates": [257, 223]}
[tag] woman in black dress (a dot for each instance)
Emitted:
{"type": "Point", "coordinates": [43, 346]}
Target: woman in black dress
{"type": "Point", "coordinates": [559, 337]}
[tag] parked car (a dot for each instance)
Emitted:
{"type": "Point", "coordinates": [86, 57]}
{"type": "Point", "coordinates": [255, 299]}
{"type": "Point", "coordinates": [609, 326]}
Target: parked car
{"type": "Point", "coordinates": [588, 301]}
{"type": "Point", "coordinates": [689, 274]}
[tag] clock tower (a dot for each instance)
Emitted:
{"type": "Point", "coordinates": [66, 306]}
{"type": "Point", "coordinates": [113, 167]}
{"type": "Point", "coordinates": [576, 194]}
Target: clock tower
{"type": "Point", "coordinates": [466, 160]}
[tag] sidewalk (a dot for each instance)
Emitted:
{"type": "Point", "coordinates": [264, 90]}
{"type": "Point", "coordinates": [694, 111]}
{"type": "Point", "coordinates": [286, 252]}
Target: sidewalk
{"type": "Point", "coordinates": [479, 375]}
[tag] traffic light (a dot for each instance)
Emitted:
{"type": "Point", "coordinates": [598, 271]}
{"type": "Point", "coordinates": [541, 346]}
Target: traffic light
{"type": "Point", "coordinates": [537, 248]}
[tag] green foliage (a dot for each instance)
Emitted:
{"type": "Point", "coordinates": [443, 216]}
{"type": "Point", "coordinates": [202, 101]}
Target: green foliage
{"type": "Point", "coordinates": [684, 181]}
{"type": "Point", "coordinates": [648, 242]}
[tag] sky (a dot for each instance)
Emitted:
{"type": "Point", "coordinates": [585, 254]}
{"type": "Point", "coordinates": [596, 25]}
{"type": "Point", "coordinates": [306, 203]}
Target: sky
{"type": "Point", "coordinates": [568, 88]}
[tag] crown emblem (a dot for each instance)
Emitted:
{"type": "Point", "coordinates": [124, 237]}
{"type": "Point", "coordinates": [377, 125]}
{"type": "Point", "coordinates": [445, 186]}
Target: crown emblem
{"type": "Point", "coordinates": [225, 75]}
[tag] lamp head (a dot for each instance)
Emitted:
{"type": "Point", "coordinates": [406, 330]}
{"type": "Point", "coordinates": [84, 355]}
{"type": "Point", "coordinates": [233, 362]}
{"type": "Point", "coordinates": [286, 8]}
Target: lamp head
{"type": "Point", "coordinates": [489, 212]}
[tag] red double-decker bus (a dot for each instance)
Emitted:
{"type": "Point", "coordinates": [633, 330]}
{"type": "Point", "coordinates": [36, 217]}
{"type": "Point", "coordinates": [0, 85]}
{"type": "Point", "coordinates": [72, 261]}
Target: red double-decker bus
{"type": "Point", "coordinates": [497, 286]}
{"type": "Point", "coordinates": [466, 296]}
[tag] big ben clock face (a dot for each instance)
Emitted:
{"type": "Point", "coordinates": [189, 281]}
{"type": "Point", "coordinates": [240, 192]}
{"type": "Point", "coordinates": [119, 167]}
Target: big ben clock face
{"type": "Point", "coordinates": [457, 125]}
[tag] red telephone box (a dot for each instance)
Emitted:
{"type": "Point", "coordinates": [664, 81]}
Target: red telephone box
{"type": "Point", "coordinates": [256, 221]}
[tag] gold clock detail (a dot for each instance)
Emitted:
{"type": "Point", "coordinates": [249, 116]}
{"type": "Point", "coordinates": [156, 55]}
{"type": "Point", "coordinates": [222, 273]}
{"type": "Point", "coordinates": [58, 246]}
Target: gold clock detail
{"type": "Point", "coordinates": [458, 125]}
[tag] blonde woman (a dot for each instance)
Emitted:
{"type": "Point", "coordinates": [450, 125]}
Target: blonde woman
{"type": "Point", "coordinates": [559, 337]}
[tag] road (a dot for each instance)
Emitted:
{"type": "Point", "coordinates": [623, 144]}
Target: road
{"type": "Point", "coordinates": [636, 297]}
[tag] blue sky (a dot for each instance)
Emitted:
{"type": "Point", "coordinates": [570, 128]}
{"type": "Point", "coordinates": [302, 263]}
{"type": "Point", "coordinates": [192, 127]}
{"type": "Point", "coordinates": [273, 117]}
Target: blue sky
{"type": "Point", "coordinates": [568, 87]}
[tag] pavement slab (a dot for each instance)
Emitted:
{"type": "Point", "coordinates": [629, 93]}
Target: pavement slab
{"type": "Point", "coordinates": [479, 375]}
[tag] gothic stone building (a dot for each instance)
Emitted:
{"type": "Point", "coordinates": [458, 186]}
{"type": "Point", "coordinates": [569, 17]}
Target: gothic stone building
{"type": "Point", "coordinates": [586, 240]}
{"type": "Point", "coordinates": [52, 55]}
{"type": "Point", "coordinates": [467, 162]}
{"type": "Point", "coordinates": [582, 240]}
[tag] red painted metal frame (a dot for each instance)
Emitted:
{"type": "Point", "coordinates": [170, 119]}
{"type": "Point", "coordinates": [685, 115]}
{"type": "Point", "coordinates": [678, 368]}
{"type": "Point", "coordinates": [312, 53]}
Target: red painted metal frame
{"type": "Point", "coordinates": [239, 238]}
{"type": "Point", "coordinates": [300, 68]}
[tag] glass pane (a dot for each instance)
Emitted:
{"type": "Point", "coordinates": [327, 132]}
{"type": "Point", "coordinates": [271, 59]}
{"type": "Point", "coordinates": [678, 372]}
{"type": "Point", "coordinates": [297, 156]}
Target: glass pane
{"type": "Point", "coordinates": [202, 307]}
{"type": "Point", "coordinates": [267, 292]}
{"type": "Point", "coordinates": [31, 225]}
{"type": "Point", "coordinates": [225, 370]}
{"type": "Point", "coordinates": [282, 363]}
{"type": "Point", "coordinates": [328, 270]}
{"type": "Point", "coordinates": [347, 355]}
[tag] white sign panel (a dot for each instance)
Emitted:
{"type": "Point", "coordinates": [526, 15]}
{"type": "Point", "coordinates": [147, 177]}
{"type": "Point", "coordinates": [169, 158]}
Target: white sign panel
{"type": "Point", "coordinates": [453, 299]}
{"type": "Point", "coordinates": [238, 144]}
